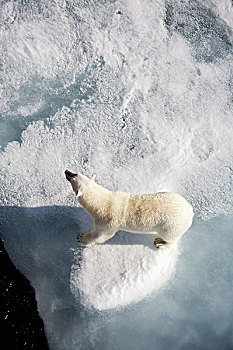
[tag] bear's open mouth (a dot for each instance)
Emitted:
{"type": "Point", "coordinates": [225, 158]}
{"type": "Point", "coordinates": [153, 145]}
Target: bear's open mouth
{"type": "Point", "coordinates": [70, 175]}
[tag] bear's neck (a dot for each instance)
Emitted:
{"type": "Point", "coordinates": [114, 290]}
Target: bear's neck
{"type": "Point", "coordinates": [96, 200]}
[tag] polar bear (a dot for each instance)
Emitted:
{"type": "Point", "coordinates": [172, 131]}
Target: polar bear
{"type": "Point", "coordinates": [165, 213]}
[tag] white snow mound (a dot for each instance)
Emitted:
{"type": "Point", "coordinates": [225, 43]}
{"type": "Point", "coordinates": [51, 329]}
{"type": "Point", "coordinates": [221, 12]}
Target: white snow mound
{"type": "Point", "coordinates": [115, 275]}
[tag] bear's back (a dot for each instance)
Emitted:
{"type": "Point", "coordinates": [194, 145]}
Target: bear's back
{"type": "Point", "coordinates": [150, 210]}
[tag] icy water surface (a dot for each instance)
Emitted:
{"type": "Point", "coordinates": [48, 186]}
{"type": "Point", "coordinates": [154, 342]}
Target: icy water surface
{"type": "Point", "coordinates": [140, 93]}
{"type": "Point", "coordinates": [193, 310]}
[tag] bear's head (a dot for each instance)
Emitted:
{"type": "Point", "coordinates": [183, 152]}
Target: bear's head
{"type": "Point", "coordinates": [78, 182]}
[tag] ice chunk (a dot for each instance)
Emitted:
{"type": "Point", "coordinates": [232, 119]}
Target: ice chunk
{"type": "Point", "coordinates": [115, 275]}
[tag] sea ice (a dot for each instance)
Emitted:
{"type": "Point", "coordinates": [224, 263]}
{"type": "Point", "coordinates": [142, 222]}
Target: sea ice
{"type": "Point", "coordinates": [122, 272]}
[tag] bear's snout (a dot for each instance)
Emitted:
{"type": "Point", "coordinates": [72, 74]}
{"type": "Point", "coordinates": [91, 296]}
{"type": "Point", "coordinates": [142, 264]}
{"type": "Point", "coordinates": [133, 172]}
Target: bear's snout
{"type": "Point", "coordinates": [70, 175]}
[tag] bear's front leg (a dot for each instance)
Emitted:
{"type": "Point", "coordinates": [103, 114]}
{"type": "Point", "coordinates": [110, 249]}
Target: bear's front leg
{"type": "Point", "coordinates": [98, 235]}
{"type": "Point", "coordinates": [86, 240]}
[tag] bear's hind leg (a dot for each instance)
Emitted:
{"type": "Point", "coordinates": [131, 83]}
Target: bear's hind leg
{"type": "Point", "coordinates": [160, 243]}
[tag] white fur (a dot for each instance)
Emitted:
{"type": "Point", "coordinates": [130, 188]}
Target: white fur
{"type": "Point", "coordinates": [168, 214]}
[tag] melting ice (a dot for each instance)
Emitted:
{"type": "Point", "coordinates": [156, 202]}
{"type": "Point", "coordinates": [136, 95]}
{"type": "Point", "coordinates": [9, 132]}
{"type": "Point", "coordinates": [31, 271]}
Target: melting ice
{"type": "Point", "coordinates": [139, 93]}
{"type": "Point", "coordinates": [118, 274]}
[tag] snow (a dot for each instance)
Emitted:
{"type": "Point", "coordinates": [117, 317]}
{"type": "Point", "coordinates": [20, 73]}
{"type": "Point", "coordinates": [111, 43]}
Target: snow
{"type": "Point", "coordinates": [141, 96]}
{"type": "Point", "coordinates": [115, 275]}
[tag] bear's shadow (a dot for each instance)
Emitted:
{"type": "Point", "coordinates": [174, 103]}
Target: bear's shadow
{"type": "Point", "coordinates": [55, 228]}
{"type": "Point", "coordinates": [42, 244]}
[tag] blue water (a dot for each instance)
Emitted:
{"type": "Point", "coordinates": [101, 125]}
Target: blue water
{"type": "Point", "coordinates": [193, 311]}
{"type": "Point", "coordinates": [139, 93]}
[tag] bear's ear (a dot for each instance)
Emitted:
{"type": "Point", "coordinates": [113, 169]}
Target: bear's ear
{"type": "Point", "coordinates": [93, 177]}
